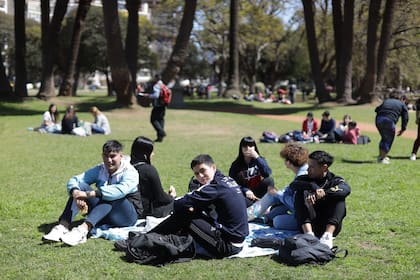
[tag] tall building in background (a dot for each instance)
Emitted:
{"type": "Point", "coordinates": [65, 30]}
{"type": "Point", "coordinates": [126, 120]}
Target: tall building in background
{"type": "Point", "coordinates": [33, 7]}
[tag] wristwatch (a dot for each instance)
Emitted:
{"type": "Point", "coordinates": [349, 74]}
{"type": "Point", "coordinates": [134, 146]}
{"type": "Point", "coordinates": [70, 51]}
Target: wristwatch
{"type": "Point", "coordinates": [87, 194]}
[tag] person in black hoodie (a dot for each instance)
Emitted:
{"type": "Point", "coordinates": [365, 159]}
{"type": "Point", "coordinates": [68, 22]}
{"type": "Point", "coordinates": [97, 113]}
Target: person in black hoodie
{"type": "Point", "coordinates": [215, 236]}
{"type": "Point", "coordinates": [156, 202]}
{"type": "Point", "coordinates": [320, 199]}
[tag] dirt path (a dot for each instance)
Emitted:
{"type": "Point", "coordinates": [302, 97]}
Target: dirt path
{"type": "Point", "coordinates": [409, 133]}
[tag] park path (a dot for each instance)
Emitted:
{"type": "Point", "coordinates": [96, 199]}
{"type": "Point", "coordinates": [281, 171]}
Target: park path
{"type": "Point", "coordinates": [409, 133]}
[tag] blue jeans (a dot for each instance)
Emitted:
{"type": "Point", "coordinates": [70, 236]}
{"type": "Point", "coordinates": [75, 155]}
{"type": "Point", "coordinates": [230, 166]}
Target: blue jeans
{"type": "Point", "coordinates": [97, 129]}
{"type": "Point", "coordinates": [386, 128]}
{"type": "Point", "coordinates": [282, 214]}
{"type": "Point", "coordinates": [116, 213]}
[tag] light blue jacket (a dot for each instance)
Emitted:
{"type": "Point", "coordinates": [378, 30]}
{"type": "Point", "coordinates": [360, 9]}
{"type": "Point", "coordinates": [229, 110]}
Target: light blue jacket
{"type": "Point", "coordinates": [112, 186]}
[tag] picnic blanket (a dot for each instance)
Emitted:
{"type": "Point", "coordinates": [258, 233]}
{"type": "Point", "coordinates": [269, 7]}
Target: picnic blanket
{"type": "Point", "coordinates": [143, 225]}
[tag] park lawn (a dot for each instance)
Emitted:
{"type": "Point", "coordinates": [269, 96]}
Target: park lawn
{"type": "Point", "coordinates": [380, 231]}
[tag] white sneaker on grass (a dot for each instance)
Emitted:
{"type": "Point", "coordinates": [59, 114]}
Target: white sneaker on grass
{"type": "Point", "coordinates": [56, 233]}
{"type": "Point", "coordinates": [76, 236]}
{"type": "Point", "coordinates": [327, 239]}
{"type": "Point", "coordinates": [413, 157]}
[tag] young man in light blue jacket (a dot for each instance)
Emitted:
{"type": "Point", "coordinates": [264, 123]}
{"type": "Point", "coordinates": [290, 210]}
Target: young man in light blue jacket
{"type": "Point", "coordinates": [110, 203]}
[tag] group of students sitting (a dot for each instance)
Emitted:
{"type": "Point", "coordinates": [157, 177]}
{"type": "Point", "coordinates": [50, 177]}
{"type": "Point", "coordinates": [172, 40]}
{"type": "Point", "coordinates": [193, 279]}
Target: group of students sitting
{"type": "Point", "coordinates": [217, 208]}
{"type": "Point", "coordinates": [70, 123]}
{"type": "Point", "coordinates": [345, 132]}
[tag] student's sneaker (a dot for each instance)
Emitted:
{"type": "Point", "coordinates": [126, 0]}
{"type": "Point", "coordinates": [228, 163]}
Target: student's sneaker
{"type": "Point", "coordinates": [413, 157]}
{"type": "Point", "coordinates": [384, 160]}
{"type": "Point", "coordinates": [56, 233]}
{"type": "Point", "coordinates": [76, 236]}
{"type": "Point", "coordinates": [327, 239]}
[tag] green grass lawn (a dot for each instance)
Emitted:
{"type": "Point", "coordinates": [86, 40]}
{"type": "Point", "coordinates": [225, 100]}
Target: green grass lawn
{"type": "Point", "coordinates": [381, 230]}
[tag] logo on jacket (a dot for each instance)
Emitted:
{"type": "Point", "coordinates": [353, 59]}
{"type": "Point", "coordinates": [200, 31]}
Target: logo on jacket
{"type": "Point", "coordinates": [336, 189]}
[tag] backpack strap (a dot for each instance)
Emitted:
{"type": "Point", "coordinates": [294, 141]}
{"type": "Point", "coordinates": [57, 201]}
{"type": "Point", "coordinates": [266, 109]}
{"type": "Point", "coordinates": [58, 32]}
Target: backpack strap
{"type": "Point", "coordinates": [340, 253]}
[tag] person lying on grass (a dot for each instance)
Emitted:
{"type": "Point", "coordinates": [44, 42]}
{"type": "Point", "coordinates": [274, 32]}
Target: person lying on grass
{"type": "Point", "coordinates": [111, 203]}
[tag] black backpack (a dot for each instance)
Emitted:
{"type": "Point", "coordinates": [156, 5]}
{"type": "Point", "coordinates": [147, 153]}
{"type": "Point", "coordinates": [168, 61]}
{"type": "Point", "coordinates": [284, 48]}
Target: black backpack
{"type": "Point", "coordinates": [306, 249]}
{"type": "Point", "coordinates": [158, 249]}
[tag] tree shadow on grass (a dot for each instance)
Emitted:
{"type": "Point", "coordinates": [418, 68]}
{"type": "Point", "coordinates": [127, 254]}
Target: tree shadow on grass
{"type": "Point", "coordinates": [245, 108]}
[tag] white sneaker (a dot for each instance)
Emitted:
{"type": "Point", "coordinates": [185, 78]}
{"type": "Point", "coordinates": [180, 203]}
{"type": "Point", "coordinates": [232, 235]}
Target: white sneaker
{"type": "Point", "coordinates": [76, 236]}
{"type": "Point", "coordinates": [413, 157]}
{"type": "Point", "coordinates": [327, 239]}
{"type": "Point", "coordinates": [384, 160]}
{"type": "Point", "coordinates": [56, 233]}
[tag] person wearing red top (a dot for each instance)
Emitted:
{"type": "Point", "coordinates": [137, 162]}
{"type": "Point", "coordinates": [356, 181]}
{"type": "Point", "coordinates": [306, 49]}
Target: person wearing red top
{"type": "Point", "coordinates": [309, 126]}
{"type": "Point", "coordinates": [351, 134]}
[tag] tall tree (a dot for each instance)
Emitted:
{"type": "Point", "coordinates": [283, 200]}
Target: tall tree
{"type": "Point", "coordinates": [233, 76]}
{"type": "Point", "coordinates": [180, 50]}
{"type": "Point", "coordinates": [309, 11]}
{"type": "Point", "coordinates": [132, 39]}
{"type": "Point", "coordinates": [344, 66]}
{"type": "Point", "coordinates": [67, 85]}
{"type": "Point", "coordinates": [120, 73]}
{"type": "Point", "coordinates": [367, 91]}
{"type": "Point", "coordinates": [20, 49]}
{"type": "Point", "coordinates": [47, 79]}
{"type": "Point", "coordinates": [385, 39]}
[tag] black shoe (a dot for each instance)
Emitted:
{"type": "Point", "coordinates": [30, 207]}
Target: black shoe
{"type": "Point", "coordinates": [160, 139]}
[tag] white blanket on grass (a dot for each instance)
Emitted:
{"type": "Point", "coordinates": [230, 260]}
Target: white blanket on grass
{"type": "Point", "coordinates": [144, 225]}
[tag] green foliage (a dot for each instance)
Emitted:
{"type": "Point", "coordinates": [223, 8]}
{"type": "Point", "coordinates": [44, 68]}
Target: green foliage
{"type": "Point", "coordinates": [380, 230]}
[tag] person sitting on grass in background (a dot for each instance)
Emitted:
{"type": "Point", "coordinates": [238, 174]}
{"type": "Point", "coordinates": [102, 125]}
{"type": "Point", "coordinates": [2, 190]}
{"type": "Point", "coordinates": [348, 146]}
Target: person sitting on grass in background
{"type": "Point", "coordinates": [49, 121]}
{"type": "Point", "coordinates": [101, 123]}
{"type": "Point", "coordinates": [69, 121]}
{"type": "Point", "coordinates": [351, 134]}
{"type": "Point", "coordinates": [215, 236]}
{"type": "Point", "coordinates": [251, 171]}
{"type": "Point", "coordinates": [309, 126]}
{"type": "Point", "coordinates": [326, 131]}
{"type": "Point", "coordinates": [342, 128]}
{"type": "Point", "coordinates": [110, 203]}
{"type": "Point", "coordinates": [282, 211]}
{"type": "Point", "coordinates": [320, 199]}
{"type": "Point", "coordinates": [156, 202]}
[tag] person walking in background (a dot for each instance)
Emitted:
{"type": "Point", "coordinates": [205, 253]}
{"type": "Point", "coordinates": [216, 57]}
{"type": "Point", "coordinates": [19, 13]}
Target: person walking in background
{"type": "Point", "coordinates": [157, 117]}
{"type": "Point", "coordinates": [156, 202]}
{"type": "Point", "coordinates": [101, 123]}
{"type": "Point", "coordinates": [417, 141]}
{"type": "Point", "coordinates": [387, 115]}
{"type": "Point", "coordinates": [110, 203]}
{"type": "Point", "coordinates": [251, 171]}
{"type": "Point", "coordinates": [320, 199]}
{"type": "Point", "coordinates": [292, 92]}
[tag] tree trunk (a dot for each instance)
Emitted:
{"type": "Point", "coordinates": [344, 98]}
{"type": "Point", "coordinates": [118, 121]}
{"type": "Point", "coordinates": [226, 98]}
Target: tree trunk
{"type": "Point", "coordinates": [179, 52]}
{"type": "Point", "coordinates": [233, 77]}
{"type": "Point", "coordinates": [308, 11]}
{"type": "Point", "coordinates": [367, 91]}
{"type": "Point", "coordinates": [67, 85]}
{"type": "Point", "coordinates": [47, 78]}
{"type": "Point", "coordinates": [345, 65]}
{"type": "Point", "coordinates": [20, 49]}
{"type": "Point", "coordinates": [132, 40]}
{"type": "Point", "coordinates": [384, 43]}
{"type": "Point", "coordinates": [338, 29]}
{"type": "Point", "coordinates": [120, 74]}
{"type": "Point", "coordinates": [5, 88]}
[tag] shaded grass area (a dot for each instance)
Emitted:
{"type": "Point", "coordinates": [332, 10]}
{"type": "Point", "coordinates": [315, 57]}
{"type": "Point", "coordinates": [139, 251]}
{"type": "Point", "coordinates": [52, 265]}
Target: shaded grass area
{"type": "Point", "coordinates": [380, 231]}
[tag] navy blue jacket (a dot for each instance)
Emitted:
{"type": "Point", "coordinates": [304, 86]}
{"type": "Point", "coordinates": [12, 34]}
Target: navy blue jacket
{"type": "Point", "coordinates": [393, 109]}
{"type": "Point", "coordinates": [224, 197]}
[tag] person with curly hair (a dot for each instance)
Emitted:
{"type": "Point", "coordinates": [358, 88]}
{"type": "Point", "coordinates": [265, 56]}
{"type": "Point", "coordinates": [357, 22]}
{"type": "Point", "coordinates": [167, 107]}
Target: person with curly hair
{"type": "Point", "coordinates": [281, 214]}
